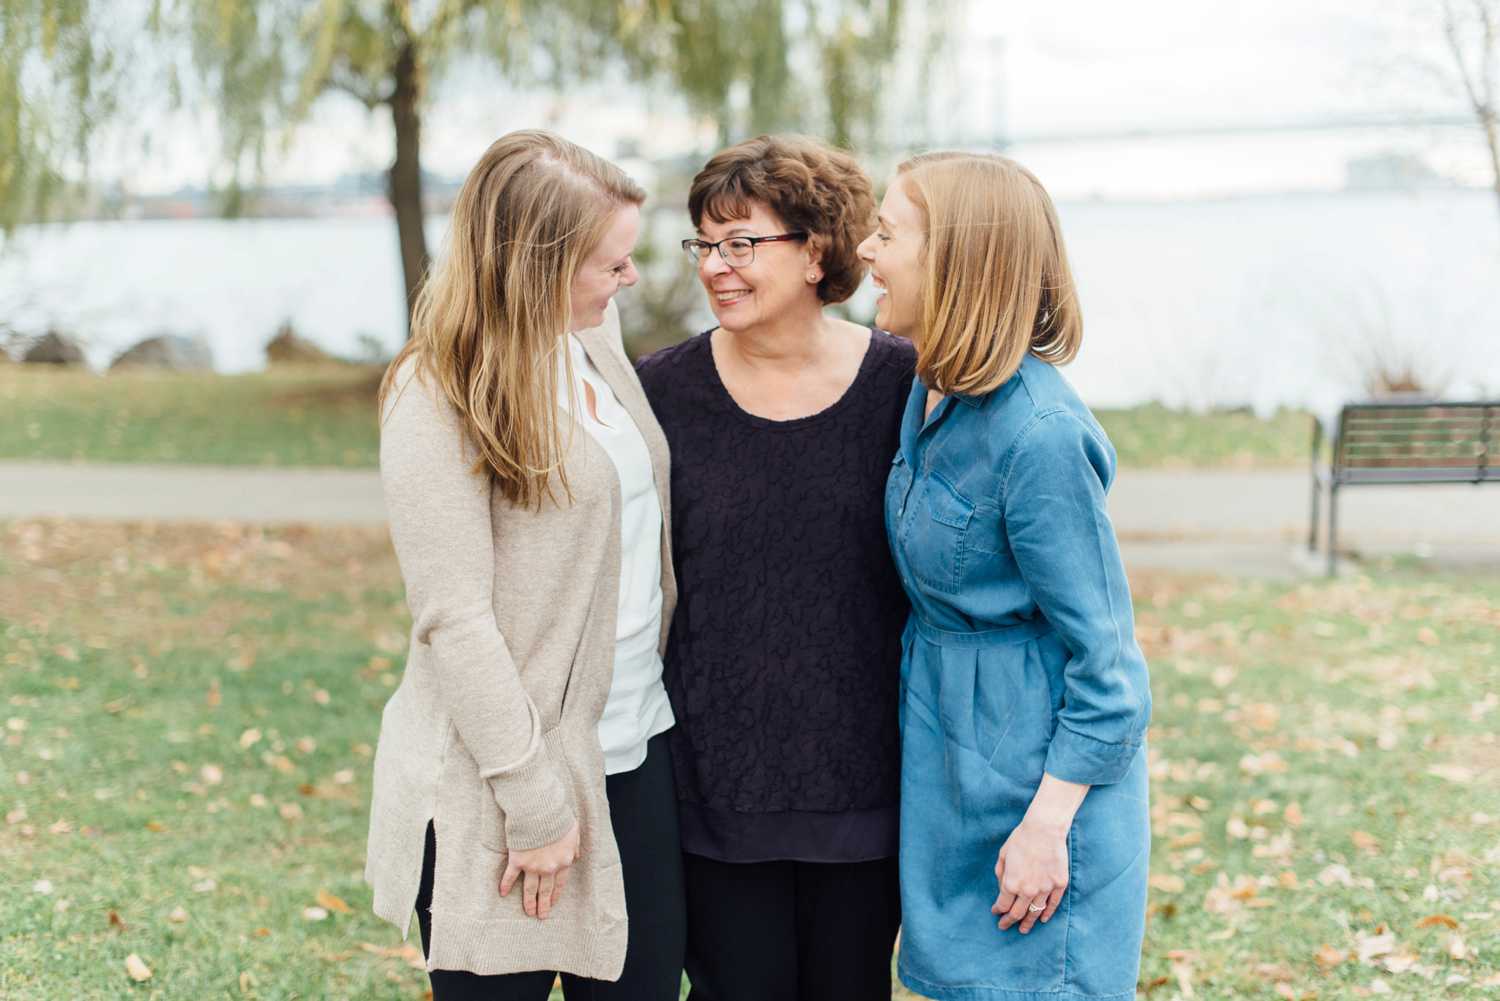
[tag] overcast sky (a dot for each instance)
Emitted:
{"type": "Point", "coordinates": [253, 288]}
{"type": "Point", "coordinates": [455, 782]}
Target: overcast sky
{"type": "Point", "coordinates": [1061, 67]}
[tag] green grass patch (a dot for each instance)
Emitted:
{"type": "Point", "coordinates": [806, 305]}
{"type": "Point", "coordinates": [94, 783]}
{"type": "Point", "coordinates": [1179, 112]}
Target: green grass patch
{"type": "Point", "coordinates": [1152, 435]}
{"type": "Point", "coordinates": [189, 713]}
{"type": "Point", "coordinates": [289, 416]}
{"type": "Point", "coordinates": [325, 416]}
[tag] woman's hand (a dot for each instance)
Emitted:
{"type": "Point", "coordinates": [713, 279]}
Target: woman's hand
{"type": "Point", "coordinates": [1032, 869]}
{"type": "Point", "coordinates": [543, 872]}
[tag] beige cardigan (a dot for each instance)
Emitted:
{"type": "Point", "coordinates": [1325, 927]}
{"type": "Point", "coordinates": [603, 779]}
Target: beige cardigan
{"type": "Point", "coordinates": [492, 733]}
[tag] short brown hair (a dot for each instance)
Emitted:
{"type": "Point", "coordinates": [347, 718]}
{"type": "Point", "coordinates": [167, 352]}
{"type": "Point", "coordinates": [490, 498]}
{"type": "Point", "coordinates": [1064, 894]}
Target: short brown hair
{"type": "Point", "coordinates": [810, 185]}
{"type": "Point", "coordinates": [997, 285]}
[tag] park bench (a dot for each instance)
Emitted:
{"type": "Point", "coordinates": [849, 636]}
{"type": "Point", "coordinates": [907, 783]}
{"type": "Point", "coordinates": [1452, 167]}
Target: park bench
{"type": "Point", "coordinates": [1401, 441]}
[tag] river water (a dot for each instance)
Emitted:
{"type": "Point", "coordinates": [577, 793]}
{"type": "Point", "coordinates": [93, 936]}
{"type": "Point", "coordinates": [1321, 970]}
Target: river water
{"type": "Point", "coordinates": [1261, 301]}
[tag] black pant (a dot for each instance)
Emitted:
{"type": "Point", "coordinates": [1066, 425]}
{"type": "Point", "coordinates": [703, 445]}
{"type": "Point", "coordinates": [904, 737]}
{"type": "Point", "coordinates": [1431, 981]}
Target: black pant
{"type": "Point", "coordinates": [791, 931]}
{"type": "Point", "coordinates": [643, 808]}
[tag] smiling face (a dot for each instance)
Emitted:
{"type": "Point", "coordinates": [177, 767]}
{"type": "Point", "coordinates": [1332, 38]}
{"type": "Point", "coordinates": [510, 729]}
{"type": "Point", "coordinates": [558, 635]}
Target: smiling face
{"type": "Point", "coordinates": [894, 254]}
{"type": "Point", "coordinates": [767, 289]}
{"type": "Point", "coordinates": [607, 268]}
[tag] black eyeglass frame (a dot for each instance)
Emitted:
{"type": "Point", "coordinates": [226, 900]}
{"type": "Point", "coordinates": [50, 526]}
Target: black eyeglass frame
{"type": "Point", "coordinates": [691, 246]}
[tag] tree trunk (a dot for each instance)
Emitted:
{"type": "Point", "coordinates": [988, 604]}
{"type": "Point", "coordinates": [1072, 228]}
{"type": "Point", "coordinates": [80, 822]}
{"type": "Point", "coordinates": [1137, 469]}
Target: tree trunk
{"type": "Point", "coordinates": [1492, 136]}
{"type": "Point", "coordinates": [405, 188]}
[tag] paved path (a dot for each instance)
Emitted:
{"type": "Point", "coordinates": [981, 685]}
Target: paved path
{"type": "Point", "coordinates": [1247, 522]}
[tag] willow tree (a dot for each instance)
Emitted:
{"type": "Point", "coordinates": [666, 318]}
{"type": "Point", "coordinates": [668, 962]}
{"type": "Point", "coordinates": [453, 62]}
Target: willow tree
{"type": "Point", "coordinates": [55, 81]}
{"type": "Point", "coordinates": [761, 65]}
{"type": "Point", "coordinates": [265, 64]}
{"type": "Point", "coordinates": [754, 65]}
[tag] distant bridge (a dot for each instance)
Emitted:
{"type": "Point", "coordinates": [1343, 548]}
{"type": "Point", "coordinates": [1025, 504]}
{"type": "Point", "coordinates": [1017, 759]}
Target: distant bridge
{"type": "Point", "coordinates": [1209, 130]}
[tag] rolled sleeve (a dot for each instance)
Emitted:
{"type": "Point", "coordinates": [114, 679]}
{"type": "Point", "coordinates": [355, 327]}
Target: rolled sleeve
{"type": "Point", "coordinates": [1065, 548]}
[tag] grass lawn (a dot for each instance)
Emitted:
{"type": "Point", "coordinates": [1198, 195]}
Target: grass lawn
{"type": "Point", "coordinates": [324, 416]}
{"type": "Point", "coordinates": [189, 713]}
{"type": "Point", "coordinates": [290, 416]}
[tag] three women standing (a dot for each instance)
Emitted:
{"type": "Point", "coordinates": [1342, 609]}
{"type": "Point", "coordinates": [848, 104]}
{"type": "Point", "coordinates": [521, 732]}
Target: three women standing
{"type": "Point", "coordinates": [524, 791]}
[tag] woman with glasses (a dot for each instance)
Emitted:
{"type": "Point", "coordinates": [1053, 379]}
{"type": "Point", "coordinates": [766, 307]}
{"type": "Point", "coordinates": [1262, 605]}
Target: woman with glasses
{"type": "Point", "coordinates": [783, 656]}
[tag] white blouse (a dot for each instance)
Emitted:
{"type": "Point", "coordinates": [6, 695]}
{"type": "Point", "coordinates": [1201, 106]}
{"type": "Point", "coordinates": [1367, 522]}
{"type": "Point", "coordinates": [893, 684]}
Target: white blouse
{"type": "Point", "coordinates": [637, 709]}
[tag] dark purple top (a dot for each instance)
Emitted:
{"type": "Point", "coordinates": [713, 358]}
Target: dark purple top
{"type": "Point", "coordinates": [783, 662]}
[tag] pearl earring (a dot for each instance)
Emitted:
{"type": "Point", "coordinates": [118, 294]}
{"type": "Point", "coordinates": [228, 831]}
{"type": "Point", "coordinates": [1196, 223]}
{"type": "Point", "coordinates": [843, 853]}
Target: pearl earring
{"type": "Point", "coordinates": [811, 277]}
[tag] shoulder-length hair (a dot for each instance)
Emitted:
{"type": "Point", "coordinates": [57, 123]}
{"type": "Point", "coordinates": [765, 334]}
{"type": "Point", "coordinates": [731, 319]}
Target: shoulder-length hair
{"type": "Point", "coordinates": [488, 322]}
{"type": "Point", "coordinates": [996, 284]}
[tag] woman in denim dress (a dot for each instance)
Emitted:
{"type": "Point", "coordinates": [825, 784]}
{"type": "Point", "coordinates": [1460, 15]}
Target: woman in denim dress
{"type": "Point", "coordinates": [1024, 825]}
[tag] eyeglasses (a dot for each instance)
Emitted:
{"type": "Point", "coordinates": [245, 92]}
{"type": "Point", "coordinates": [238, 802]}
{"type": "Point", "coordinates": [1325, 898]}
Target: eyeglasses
{"type": "Point", "coordinates": [737, 251]}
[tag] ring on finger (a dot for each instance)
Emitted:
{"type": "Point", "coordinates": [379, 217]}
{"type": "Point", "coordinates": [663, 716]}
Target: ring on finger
{"type": "Point", "coordinates": [1034, 907]}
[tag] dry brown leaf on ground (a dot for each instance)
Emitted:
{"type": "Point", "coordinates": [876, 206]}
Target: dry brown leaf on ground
{"type": "Point", "coordinates": [137, 968]}
{"type": "Point", "coordinates": [1434, 920]}
{"type": "Point", "coordinates": [1328, 957]}
{"type": "Point", "coordinates": [332, 903]}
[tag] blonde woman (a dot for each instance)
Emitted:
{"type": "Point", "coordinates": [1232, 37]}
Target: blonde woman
{"type": "Point", "coordinates": [1024, 824]}
{"type": "Point", "coordinates": [523, 799]}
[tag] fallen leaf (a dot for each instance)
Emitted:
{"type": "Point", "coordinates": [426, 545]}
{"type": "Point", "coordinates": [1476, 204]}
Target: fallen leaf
{"type": "Point", "coordinates": [215, 696]}
{"type": "Point", "coordinates": [1365, 841]}
{"type": "Point", "coordinates": [137, 968]}
{"type": "Point", "coordinates": [115, 921]}
{"type": "Point", "coordinates": [1433, 920]}
{"type": "Point", "coordinates": [1328, 957]}
{"type": "Point", "coordinates": [332, 903]}
{"type": "Point", "coordinates": [247, 982]}
{"type": "Point", "coordinates": [314, 914]}
{"type": "Point", "coordinates": [1167, 883]}
{"type": "Point", "coordinates": [1371, 946]}
{"type": "Point", "coordinates": [1457, 774]}
{"type": "Point", "coordinates": [211, 774]}
{"type": "Point", "coordinates": [178, 916]}
{"type": "Point", "coordinates": [42, 886]}
{"type": "Point", "coordinates": [290, 811]}
{"type": "Point", "coordinates": [250, 738]}
{"type": "Point", "coordinates": [1457, 949]}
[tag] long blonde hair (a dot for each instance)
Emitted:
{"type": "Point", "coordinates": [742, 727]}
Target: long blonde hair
{"type": "Point", "coordinates": [996, 282]}
{"type": "Point", "coordinates": [488, 322]}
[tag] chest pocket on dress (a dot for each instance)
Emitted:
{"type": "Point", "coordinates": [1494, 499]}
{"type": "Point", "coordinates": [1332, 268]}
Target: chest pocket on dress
{"type": "Point", "coordinates": [938, 541]}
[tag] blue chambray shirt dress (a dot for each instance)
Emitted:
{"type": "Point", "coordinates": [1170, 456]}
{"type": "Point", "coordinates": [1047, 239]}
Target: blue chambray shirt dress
{"type": "Point", "coordinates": [1019, 658]}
